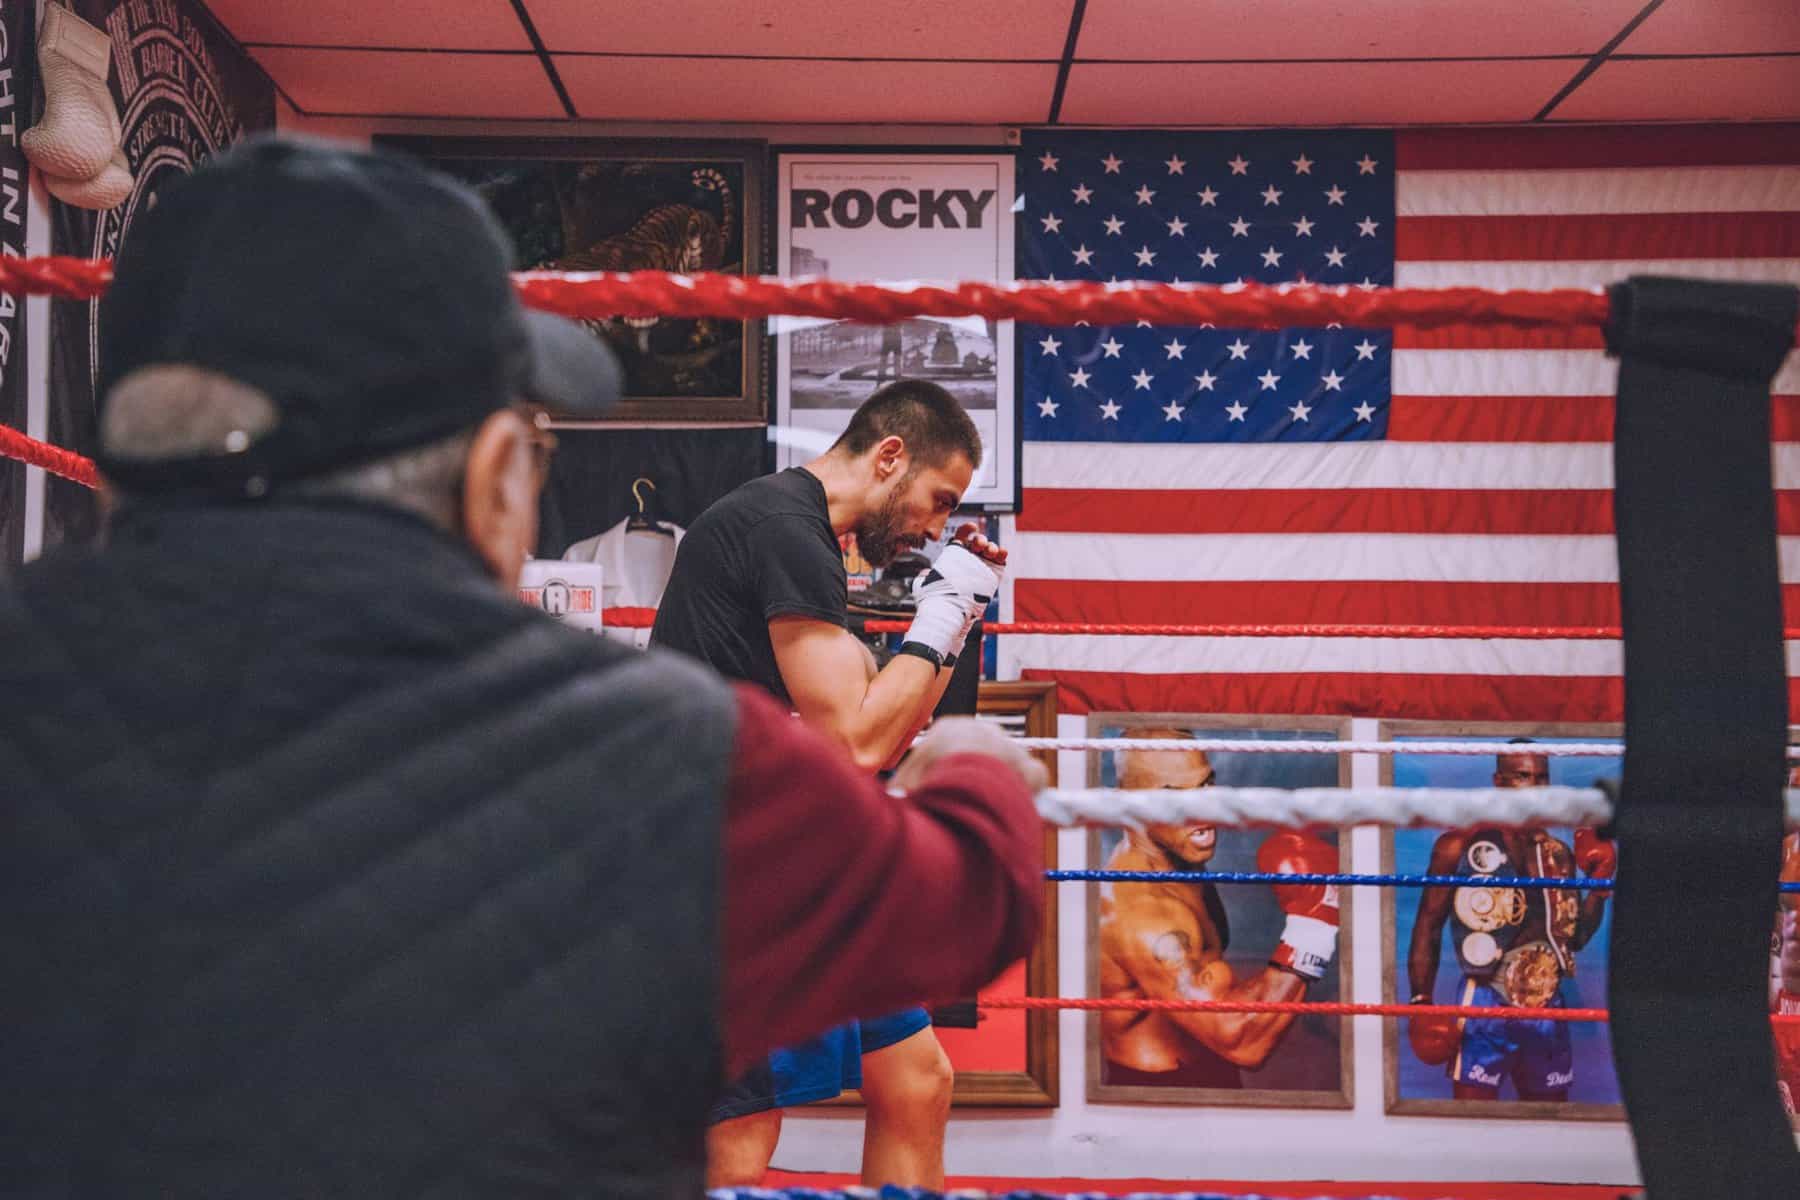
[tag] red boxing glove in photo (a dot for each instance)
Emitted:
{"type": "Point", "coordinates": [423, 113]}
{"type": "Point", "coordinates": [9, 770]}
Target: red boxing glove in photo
{"type": "Point", "coordinates": [1435, 1039]}
{"type": "Point", "coordinates": [1597, 856]}
{"type": "Point", "coordinates": [1309, 939]}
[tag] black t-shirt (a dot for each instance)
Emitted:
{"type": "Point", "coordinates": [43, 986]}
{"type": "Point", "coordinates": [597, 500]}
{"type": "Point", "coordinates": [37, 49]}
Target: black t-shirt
{"type": "Point", "coordinates": [763, 551]}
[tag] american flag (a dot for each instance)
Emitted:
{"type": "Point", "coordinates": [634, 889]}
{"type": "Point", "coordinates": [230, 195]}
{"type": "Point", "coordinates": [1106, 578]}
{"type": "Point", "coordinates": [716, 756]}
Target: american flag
{"type": "Point", "coordinates": [1460, 476]}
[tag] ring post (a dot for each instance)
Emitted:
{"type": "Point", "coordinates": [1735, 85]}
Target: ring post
{"type": "Point", "coordinates": [1700, 814]}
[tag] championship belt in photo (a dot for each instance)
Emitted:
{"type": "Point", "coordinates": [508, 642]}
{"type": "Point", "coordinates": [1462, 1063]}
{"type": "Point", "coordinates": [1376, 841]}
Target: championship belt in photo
{"type": "Point", "coordinates": [1479, 953]}
{"type": "Point", "coordinates": [1562, 906]}
{"type": "Point", "coordinates": [1528, 975]}
{"type": "Point", "coordinates": [1485, 909]}
{"type": "Point", "coordinates": [1485, 919]}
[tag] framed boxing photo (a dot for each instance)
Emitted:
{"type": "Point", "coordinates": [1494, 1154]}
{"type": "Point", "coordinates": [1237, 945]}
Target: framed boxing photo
{"type": "Point", "coordinates": [1009, 1059]}
{"type": "Point", "coordinates": [1205, 941]}
{"type": "Point", "coordinates": [593, 204]}
{"type": "Point", "coordinates": [1784, 962]}
{"type": "Point", "coordinates": [1490, 945]}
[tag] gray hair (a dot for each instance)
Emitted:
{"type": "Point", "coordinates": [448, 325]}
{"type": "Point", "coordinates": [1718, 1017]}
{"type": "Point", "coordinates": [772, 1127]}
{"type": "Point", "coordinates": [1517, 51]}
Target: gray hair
{"type": "Point", "coordinates": [423, 480]}
{"type": "Point", "coordinates": [178, 412]}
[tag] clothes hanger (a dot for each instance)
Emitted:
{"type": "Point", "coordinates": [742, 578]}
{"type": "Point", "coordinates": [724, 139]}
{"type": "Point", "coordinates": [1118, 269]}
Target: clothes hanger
{"type": "Point", "coordinates": [646, 520]}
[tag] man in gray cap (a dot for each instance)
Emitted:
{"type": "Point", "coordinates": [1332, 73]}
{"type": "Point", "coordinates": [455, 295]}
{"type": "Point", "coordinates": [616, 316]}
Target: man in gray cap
{"type": "Point", "coordinates": [333, 870]}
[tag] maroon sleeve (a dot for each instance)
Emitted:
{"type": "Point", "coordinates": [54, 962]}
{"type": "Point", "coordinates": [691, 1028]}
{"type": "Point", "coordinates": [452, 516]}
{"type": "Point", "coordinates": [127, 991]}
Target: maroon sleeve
{"type": "Point", "coordinates": [842, 901]}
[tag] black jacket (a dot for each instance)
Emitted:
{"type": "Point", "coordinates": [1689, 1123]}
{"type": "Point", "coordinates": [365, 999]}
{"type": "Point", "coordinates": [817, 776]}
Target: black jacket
{"type": "Point", "coordinates": [331, 870]}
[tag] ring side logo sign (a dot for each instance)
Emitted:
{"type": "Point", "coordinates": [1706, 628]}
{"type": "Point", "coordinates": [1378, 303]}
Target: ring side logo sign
{"type": "Point", "coordinates": [568, 591]}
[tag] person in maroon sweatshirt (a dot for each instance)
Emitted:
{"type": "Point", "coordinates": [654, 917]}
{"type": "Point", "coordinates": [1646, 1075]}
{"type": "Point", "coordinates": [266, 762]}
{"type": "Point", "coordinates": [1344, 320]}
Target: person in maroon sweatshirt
{"type": "Point", "coordinates": [332, 869]}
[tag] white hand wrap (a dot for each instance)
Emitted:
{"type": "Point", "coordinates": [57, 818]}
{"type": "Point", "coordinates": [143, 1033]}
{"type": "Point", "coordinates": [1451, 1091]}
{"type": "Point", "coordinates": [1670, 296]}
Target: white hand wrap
{"type": "Point", "coordinates": [1307, 946]}
{"type": "Point", "coordinates": [950, 596]}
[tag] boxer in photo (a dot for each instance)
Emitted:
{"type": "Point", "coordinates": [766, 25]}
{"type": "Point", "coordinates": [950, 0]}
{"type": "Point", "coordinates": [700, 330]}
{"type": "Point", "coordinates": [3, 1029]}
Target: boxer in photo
{"type": "Point", "coordinates": [1167, 941]}
{"type": "Point", "coordinates": [1516, 947]}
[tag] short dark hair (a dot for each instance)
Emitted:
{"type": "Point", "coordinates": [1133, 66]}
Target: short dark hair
{"type": "Point", "coordinates": [921, 414]}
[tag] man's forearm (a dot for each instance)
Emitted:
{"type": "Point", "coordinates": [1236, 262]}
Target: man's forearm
{"type": "Point", "coordinates": [922, 717]}
{"type": "Point", "coordinates": [1422, 957]}
{"type": "Point", "coordinates": [896, 706]}
{"type": "Point", "coordinates": [1246, 1039]}
{"type": "Point", "coordinates": [1593, 911]}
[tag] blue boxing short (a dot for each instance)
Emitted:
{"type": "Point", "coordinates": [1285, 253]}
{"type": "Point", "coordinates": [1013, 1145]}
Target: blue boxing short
{"type": "Point", "coordinates": [1535, 1055]}
{"type": "Point", "coordinates": [815, 1070]}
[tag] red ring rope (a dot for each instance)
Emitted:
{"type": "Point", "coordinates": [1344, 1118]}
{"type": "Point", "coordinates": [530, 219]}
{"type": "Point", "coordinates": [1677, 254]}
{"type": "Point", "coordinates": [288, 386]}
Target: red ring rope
{"type": "Point", "coordinates": [59, 276]}
{"type": "Point", "coordinates": [1520, 632]}
{"type": "Point", "coordinates": [32, 452]}
{"type": "Point", "coordinates": [644, 618]}
{"type": "Point", "coordinates": [14, 444]}
{"type": "Point", "coordinates": [53, 459]}
{"type": "Point", "coordinates": [1319, 1008]}
{"type": "Point", "coordinates": [1251, 305]}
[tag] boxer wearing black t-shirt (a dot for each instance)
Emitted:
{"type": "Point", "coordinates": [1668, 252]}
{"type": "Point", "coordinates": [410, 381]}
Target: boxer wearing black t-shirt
{"type": "Point", "coordinates": [763, 552]}
{"type": "Point", "coordinates": [758, 592]}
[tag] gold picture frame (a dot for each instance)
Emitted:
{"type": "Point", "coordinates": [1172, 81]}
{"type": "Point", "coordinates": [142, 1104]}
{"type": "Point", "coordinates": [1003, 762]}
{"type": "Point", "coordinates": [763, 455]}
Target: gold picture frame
{"type": "Point", "coordinates": [1394, 1031]}
{"type": "Point", "coordinates": [1026, 708]}
{"type": "Point", "coordinates": [1340, 1093]}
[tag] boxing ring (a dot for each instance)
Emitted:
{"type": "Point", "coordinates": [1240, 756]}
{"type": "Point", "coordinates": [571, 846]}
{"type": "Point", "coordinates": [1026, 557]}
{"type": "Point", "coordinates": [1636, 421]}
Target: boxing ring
{"type": "Point", "coordinates": [1702, 805]}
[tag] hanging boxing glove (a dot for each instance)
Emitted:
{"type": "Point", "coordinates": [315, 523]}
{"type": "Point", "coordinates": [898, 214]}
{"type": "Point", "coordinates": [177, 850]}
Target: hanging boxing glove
{"type": "Point", "coordinates": [79, 133]}
{"type": "Point", "coordinates": [107, 190]}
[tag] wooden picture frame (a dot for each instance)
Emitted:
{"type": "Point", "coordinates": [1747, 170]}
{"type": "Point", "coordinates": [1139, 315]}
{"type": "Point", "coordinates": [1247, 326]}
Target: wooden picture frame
{"type": "Point", "coordinates": [1792, 1082]}
{"type": "Point", "coordinates": [606, 204]}
{"type": "Point", "coordinates": [1025, 708]}
{"type": "Point", "coordinates": [1342, 1094]}
{"type": "Point", "coordinates": [1394, 1031]}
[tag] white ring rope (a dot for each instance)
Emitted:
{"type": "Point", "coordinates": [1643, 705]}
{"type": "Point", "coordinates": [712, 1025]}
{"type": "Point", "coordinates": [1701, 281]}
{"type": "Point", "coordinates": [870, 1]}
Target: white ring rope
{"type": "Point", "coordinates": [1448, 808]}
{"type": "Point", "coordinates": [1261, 746]}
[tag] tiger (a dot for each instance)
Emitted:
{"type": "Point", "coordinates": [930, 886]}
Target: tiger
{"type": "Point", "coordinates": [670, 237]}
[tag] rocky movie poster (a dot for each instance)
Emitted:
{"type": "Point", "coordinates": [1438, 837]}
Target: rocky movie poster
{"type": "Point", "coordinates": [184, 92]}
{"type": "Point", "coordinates": [896, 217]}
{"type": "Point", "coordinates": [17, 67]}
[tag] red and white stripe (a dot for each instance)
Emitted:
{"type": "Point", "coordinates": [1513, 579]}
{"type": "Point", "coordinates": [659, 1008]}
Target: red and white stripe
{"type": "Point", "coordinates": [1489, 504]}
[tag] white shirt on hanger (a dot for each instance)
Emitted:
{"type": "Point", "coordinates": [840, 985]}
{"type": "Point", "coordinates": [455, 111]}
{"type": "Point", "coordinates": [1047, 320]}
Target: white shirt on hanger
{"type": "Point", "coordinates": [635, 568]}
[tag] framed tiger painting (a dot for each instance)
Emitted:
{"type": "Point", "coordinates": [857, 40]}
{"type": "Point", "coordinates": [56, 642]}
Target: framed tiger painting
{"type": "Point", "coordinates": [583, 204]}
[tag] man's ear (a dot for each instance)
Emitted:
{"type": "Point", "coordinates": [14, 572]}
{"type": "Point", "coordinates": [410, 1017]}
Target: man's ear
{"type": "Point", "coordinates": [890, 457]}
{"type": "Point", "coordinates": [500, 496]}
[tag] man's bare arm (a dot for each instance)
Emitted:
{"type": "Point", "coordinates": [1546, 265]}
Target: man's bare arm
{"type": "Point", "coordinates": [825, 670]}
{"type": "Point", "coordinates": [1165, 954]}
{"type": "Point", "coordinates": [1434, 910]}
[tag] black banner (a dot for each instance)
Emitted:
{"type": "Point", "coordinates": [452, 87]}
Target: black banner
{"type": "Point", "coordinates": [589, 490]}
{"type": "Point", "coordinates": [184, 93]}
{"type": "Point", "coordinates": [1700, 814]}
{"type": "Point", "coordinates": [18, 67]}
